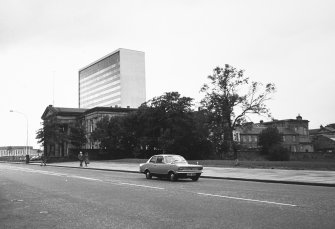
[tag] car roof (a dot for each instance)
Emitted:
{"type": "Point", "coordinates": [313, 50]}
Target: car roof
{"type": "Point", "coordinates": [166, 155]}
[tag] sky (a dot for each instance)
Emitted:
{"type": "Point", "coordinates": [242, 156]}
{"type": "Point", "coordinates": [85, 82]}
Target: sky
{"type": "Point", "coordinates": [43, 44]}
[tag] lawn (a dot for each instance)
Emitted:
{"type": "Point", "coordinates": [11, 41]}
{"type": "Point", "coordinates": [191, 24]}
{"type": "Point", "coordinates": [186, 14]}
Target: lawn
{"type": "Point", "coordinates": [296, 165]}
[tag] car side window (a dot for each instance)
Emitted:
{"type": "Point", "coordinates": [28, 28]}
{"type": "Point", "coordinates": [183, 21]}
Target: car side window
{"type": "Point", "coordinates": [159, 159]}
{"type": "Point", "coordinates": [168, 159]}
{"type": "Point", "coordinates": [153, 159]}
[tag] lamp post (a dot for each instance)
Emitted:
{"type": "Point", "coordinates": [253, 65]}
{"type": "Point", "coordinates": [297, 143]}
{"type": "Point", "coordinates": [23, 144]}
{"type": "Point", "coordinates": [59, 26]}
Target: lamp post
{"type": "Point", "coordinates": [27, 127]}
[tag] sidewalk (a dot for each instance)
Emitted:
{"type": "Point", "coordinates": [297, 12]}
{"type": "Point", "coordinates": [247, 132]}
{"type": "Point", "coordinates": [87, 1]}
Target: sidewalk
{"type": "Point", "coordinates": [302, 177]}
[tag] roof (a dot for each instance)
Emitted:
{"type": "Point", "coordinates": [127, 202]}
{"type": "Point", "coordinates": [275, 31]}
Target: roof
{"type": "Point", "coordinates": [329, 136]}
{"type": "Point", "coordinates": [313, 131]}
{"type": "Point", "coordinates": [100, 59]}
{"type": "Point", "coordinates": [62, 111]}
{"type": "Point", "coordinates": [167, 155]}
{"type": "Point", "coordinates": [285, 120]}
{"type": "Point", "coordinates": [322, 130]}
{"type": "Point", "coordinates": [256, 129]}
{"type": "Point", "coordinates": [66, 111]}
{"type": "Point", "coordinates": [109, 109]}
{"type": "Point", "coordinates": [330, 129]}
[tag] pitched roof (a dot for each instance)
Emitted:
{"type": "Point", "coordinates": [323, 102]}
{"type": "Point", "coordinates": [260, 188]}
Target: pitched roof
{"type": "Point", "coordinates": [62, 111]}
{"type": "Point", "coordinates": [329, 136]}
{"type": "Point", "coordinates": [109, 109]}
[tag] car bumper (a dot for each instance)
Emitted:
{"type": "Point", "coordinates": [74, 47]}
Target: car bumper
{"type": "Point", "coordinates": [188, 174]}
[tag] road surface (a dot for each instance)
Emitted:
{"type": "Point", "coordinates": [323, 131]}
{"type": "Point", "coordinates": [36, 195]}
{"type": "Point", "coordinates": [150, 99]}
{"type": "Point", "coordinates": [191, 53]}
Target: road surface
{"type": "Point", "coordinates": [50, 197]}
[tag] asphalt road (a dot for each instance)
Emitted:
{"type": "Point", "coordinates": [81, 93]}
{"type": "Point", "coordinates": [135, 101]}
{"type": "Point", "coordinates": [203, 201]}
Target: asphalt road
{"type": "Point", "coordinates": [51, 197]}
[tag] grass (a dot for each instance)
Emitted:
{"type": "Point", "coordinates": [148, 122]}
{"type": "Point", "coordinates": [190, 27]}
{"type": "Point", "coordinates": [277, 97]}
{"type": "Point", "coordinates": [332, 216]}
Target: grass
{"type": "Point", "coordinates": [294, 165]}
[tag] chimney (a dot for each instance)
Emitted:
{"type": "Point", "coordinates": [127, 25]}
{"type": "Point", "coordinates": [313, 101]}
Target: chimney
{"type": "Point", "coordinates": [299, 117]}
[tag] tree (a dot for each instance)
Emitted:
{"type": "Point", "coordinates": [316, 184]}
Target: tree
{"type": "Point", "coordinates": [229, 99]}
{"type": "Point", "coordinates": [112, 136]}
{"type": "Point", "coordinates": [53, 132]}
{"type": "Point", "coordinates": [270, 140]}
{"type": "Point", "coordinates": [77, 134]}
{"type": "Point", "coordinates": [166, 123]}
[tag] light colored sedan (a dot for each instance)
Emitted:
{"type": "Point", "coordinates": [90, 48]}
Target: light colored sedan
{"type": "Point", "coordinates": [171, 166]}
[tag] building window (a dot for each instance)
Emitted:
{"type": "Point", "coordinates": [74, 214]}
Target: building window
{"type": "Point", "coordinates": [294, 138]}
{"type": "Point", "coordinates": [284, 138]}
{"type": "Point", "coordinates": [91, 126]}
{"type": "Point", "coordinates": [250, 140]}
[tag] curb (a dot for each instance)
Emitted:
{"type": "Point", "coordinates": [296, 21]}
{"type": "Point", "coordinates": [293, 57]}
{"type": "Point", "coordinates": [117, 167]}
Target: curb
{"type": "Point", "coordinates": [211, 177]}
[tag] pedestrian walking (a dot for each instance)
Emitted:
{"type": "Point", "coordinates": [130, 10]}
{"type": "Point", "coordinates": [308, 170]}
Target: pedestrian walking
{"type": "Point", "coordinates": [86, 159]}
{"type": "Point", "coordinates": [27, 158]}
{"type": "Point", "coordinates": [81, 158]}
{"type": "Point", "coordinates": [43, 160]}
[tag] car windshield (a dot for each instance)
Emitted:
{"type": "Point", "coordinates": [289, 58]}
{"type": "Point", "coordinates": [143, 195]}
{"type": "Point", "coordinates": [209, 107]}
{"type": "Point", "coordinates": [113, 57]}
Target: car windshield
{"type": "Point", "coordinates": [175, 159]}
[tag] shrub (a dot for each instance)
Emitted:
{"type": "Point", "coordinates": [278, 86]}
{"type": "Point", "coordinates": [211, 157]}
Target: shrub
{"type": "Point", "coordinates": [278, 153]}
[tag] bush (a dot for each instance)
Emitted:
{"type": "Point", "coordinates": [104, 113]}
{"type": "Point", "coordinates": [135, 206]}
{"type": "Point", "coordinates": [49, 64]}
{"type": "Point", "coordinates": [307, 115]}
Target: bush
{"type": "Point", "coordinates": [278, 153]}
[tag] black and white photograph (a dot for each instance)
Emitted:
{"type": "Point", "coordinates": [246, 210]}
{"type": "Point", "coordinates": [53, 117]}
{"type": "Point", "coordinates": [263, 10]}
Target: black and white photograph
{"type": "Point", "coordinates": [167, 114]}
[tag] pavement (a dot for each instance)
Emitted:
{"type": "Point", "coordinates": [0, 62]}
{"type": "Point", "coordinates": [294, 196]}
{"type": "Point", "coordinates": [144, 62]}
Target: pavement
{"type": "Point", "coordinates": [299, 177]}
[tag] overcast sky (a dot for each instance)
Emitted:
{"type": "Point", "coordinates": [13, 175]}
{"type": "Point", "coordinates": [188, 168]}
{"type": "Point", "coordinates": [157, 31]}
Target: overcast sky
{"type": "Point", "coordinates": [44, 43]}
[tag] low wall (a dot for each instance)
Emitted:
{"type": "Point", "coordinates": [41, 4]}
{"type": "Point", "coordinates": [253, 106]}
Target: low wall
{"type": "Point", "coordinates": [294, 156]}
{"type": "Point", "coordinates": [311, 156]}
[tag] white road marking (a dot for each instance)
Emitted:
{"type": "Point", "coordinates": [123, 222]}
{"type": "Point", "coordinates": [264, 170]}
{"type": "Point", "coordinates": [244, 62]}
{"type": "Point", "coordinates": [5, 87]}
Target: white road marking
{"type": "Point", "coordinates": [85, 178]}
{"type": "Point", "coordinates": [253, 200]}
{"type": "Point", "coordinates": [116, 182]}
{"type": "Point", "coordinates": [143, 186]}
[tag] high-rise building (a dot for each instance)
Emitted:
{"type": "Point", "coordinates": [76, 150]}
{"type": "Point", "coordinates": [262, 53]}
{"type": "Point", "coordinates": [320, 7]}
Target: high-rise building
{"type": "Point", "coordinates": [117, 79]}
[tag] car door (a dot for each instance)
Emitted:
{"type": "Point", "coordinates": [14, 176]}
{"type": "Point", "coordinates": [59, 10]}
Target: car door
{"type": "Point", "coordinates": [151, 164]}
{"type": "Point", "coordinates": [161, 166]}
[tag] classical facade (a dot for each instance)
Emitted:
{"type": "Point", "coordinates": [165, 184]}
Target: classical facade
{"type": "Point", "coordinates": [17, 151]}
{"type": "Point", "coordinates": [65, 118]}
{"type": "Point", "coordinates": [294, 132]}
{"type": "Point", "coordinates": [117, 79]}
{"type": "Point", "coordinates": [61, 120]}
{"type": "Point", "coordinates": [92, 116]}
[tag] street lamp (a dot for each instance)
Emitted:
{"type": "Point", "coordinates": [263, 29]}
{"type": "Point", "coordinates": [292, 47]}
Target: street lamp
{"type": "Point", "coordinates": [27, 127]}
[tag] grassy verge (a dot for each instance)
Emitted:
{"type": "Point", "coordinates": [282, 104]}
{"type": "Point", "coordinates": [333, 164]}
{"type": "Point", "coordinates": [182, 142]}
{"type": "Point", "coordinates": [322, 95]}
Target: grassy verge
{"type": "Point", "coordinates": [295, 165]}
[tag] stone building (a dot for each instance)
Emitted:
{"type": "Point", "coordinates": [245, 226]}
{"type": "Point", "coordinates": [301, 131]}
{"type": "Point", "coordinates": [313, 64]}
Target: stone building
{"type": "Point", "coordinates": [295, 134]}
{"type": "Point", "coordinates": [62, 119]}
{"type": "Point", "coordinates": [92, 116]}
{"type": "Point", "coordinates": [324, 138]}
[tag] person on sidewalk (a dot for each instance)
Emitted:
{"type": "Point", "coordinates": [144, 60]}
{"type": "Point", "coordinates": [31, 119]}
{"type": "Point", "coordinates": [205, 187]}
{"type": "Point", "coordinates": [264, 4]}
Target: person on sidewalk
{"type": "Point", "coordinates": [86, 159]}
{"type": "Point", "coordinates": [81, 158]}
{"type": "Point", "coordinates": [43, 160]}
{"type": "Point", "coordinates": [27, 158]}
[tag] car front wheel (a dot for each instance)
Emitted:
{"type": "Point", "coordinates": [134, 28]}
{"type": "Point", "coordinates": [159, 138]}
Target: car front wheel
{"type": "Point", "coordinates": [148, 174]}
{"type": "Point", "coordinates": [172, 176]}
{"type": "Point", "coordinates": [195, 178]}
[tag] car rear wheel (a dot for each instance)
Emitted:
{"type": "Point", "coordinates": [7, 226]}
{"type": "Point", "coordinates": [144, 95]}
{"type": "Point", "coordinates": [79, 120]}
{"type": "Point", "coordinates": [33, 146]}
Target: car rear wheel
{"type": "Point", "coordinates": [148, 174]}
{"type": "Point", "coordinates": [172, 176]}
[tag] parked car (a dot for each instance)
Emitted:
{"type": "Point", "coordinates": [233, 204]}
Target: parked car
{"type": "Point", "coordinates": [170, 166]}
{"type": "Point", "coordinates": [35, 158]}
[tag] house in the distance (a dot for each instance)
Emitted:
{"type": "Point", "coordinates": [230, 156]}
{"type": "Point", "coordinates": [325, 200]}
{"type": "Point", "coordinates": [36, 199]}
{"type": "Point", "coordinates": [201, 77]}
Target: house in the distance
{"type": "Point", "coordinates": [324, 138]}
{"type": "Point", "coordinates": [294, 132]}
